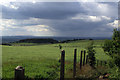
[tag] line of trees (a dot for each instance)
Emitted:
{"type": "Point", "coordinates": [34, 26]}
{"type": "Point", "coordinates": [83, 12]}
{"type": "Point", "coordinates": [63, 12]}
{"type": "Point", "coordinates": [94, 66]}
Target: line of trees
{"type": "Point", "coordinates": [35, 40]}
{"type": "Point", "coordinates": [67, 41]}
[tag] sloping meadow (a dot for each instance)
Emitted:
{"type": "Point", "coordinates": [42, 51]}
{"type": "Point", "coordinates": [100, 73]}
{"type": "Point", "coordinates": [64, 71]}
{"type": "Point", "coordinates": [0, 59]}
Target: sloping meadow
{"type": "Point", "coordinates": [43, 61]}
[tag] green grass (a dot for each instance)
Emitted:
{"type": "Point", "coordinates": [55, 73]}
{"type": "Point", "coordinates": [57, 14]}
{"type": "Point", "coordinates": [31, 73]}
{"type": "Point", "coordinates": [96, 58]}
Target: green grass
{"type": "Point", "coordinates": [34, 58]}
{"type": "Point", "coordinates": [42, 59]}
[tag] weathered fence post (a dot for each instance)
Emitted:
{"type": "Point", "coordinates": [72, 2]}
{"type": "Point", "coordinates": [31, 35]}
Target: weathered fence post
{"type": "Point", "coordinates": [62, 65]}
{"type": "Point", "coordinates": [74, 64]}
{"type": "Point", "coordinates": [84, 58]}
{"type": "Point", "coordinates": [81, 60]}
{"type": "Point", "coordinates": [19, 73]}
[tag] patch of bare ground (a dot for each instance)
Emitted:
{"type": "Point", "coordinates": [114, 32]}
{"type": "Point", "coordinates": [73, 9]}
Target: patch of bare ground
{"type": "Point", "coordinates": [87, 72]}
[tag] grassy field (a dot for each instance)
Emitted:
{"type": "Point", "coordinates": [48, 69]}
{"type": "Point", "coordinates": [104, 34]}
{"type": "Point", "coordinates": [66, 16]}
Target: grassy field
{"type": "Point", "coordinates": [43, 60]}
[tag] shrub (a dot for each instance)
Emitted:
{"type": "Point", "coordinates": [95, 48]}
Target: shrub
{"type": "Point", "coordinates": [91, 55]}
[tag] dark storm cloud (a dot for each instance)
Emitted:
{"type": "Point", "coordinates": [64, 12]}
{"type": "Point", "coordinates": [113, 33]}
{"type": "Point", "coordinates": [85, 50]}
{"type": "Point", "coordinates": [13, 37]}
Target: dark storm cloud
{"type": "Point", "coordinates": [81, 28]}
{"type": "Point", "coordinates": [45, 10]}
{"type": "Point", "coordinates": [58, 16]}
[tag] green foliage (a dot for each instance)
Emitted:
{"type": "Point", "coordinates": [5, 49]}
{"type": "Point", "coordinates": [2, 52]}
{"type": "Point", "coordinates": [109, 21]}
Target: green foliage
{"type": "Point", "coordinates": [116, 42]}
{"type": "Point", "coordinates": [117, 60]}
{"type": "Point", "coordinates": [114, 73]}
{"type": "Point", "coordinates": [112, 47]}
{"type": "Point", "coordinates": [116, 34]}
{"type": "Point", "coordinates": [107, 46]}
{"type": "Point", "coordinates": [91, 55]}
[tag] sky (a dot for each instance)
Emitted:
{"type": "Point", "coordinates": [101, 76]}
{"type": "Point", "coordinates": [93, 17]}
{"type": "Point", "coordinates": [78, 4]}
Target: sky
{"type": "Point", "coordinates": [68, 19]}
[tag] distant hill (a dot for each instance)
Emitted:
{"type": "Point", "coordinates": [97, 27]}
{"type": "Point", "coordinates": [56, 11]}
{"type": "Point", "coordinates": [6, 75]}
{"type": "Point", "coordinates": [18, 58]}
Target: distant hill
{"type": "Point", "coordinates": [37, 40]}
{"type": "Point", "coordinates": [8, 39]}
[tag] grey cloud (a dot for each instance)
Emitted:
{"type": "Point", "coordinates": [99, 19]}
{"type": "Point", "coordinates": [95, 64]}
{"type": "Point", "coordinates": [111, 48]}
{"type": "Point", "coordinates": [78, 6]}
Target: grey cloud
{"type": "Point", "coordinates": [107, 9]}
{"type": "Point", "coordinates": [58, 17]}
{"type": "Point", "coordinates": [80, 28]}
{"type": "Point", "coordinates": [45, 10]}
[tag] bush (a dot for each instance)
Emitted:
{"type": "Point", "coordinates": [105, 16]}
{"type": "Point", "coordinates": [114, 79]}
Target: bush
{"type": "Point", "coordinates": [91, 55]}
{"type": "Point", "coordinates": [112, 48]}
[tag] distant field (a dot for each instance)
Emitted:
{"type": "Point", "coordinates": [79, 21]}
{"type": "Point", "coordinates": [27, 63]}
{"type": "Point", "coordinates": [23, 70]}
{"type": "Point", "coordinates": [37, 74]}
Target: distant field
{"type": "Point", "coordinates": [44, 59]}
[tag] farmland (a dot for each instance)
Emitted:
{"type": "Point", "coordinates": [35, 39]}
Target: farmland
{"type": "Point", "coordinates": [43, 59]}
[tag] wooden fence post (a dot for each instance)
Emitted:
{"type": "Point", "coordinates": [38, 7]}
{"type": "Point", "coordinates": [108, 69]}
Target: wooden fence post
{"type": "Point", "coordinates": [19, 73]}
{"type": "Point", "coordinates": [62, 65]}
{"type": "Point", "coordinates": [74, 64]}
{"type": "Point", "coordinates": [81, 60]}
{"type": "Point", "coordinates": [84, 58]}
